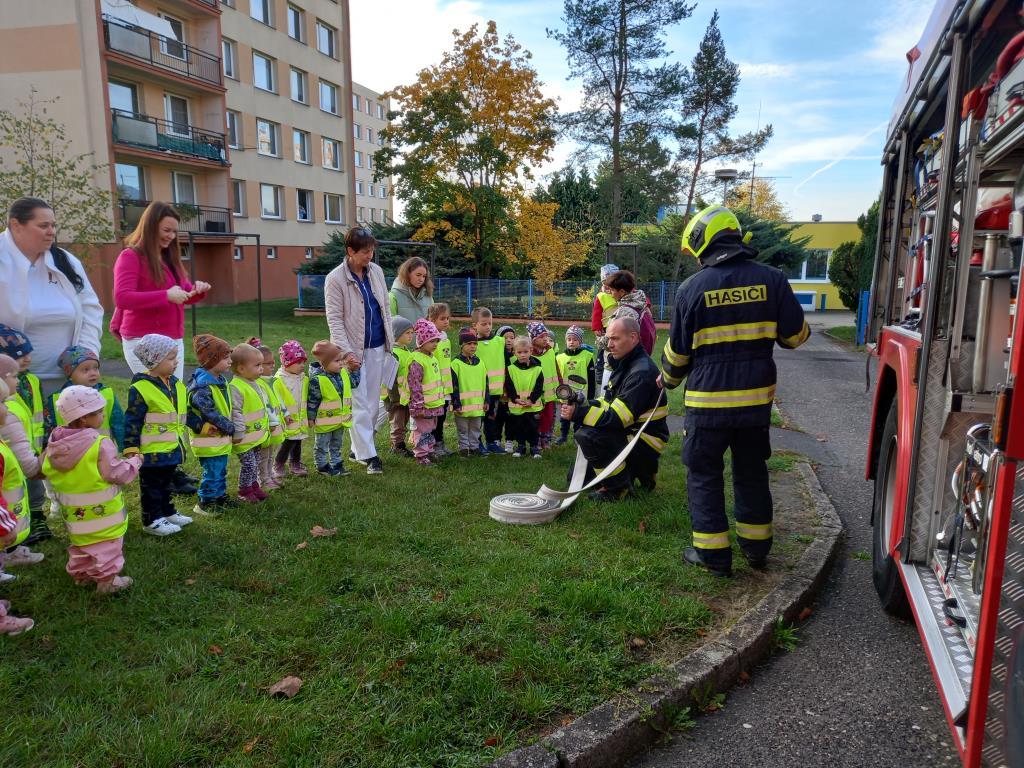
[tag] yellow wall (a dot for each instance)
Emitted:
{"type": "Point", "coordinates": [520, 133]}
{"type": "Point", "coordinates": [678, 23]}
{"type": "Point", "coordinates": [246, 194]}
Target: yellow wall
{"type": "Point", "coordinates": [825, 235]}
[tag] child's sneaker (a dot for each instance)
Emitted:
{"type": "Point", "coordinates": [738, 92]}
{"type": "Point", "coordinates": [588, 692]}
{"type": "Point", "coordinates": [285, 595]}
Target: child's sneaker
{"type": "Point", "coordinates": [561, 440]}
{"type": "Point", "coordinates": [178, 519]}
{"type": "Point", "coordinates": [402, 450]}
{"type": "Point", "coordinates": [298, 469]}
{"type": "Point", "coordinates": [23, 556]}
{"type": "Point", "coordinates": [508, 446]}
{"type": "Point", "coordinates": [270, 484]}
{"type": "Point", "coordinates": [495, 447]}
{"type": "Point", "coordinates": [518, 452]}
{"type": "Point", "coordinates": [6, 578]}
{"type": "Point", "coordinates": [115, 584]}
{"type": "Point", "coordinates": [425, 462]}
{"type": "Point", "coordinates": [536, 453]}
{"type": "Point", "coordinates": [482, 452]}
{"type": "Point", "coordinates": [12, 625]}
{"type": "Point", "coordinates": [339, 470]}
{"type": "Point", "coordinates": [207, 508]}
{"type": "Point", "coordinates": [161, 527]}
{"type": "Point", "coordinates": [326, 469]}
{"type": "Point", "coordinates": [440, 451]}
{"type": "Point", "coordinates": [259, 493]}
{"type": "Point", "coordinates": [246, 494]}
{"type": "Point", "coordinates": [280, 471]}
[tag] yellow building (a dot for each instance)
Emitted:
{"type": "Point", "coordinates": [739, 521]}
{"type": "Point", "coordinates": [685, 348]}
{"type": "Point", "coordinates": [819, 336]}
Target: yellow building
{"type": "Point", "coordinates": [810, 280]}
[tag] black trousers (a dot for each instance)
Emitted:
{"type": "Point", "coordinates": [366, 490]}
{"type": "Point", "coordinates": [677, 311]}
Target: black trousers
{"type": "Point", "coordinates": [155, 492]}
{"type": "Point", "coordinates": [290, 451]}
{"type": "Point", "coordinates": [522, 428]}
{"type": "Point", "coordinates": [494, 419]}
{"type": "Point", "coordinates": [601, 446]}
{"type": "Point", "coordinates": [439, 429]}
{"type": "Point", "coordinates": [703, 454]}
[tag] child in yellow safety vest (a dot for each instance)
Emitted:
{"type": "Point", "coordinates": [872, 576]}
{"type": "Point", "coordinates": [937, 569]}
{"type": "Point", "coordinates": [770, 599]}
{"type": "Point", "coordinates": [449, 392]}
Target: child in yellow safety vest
{"type": "Point", "coordinates": [15, 437]}
{"type": "Point", "coordinates": [249, 415]}
{"type": "Point", "coordinates": [543, 350]}
{"type": "Point", "coordinates": [575, 368]}
{"type": "Point", "coordinates": [426, 392]}
{"type": "Point", "coordinates": [524, 387]}
{"type": "Point", "coordinates": [275, 419]}
{"type": "Point", "coordinates": [86, 474]}
{"type": "Point", "coordinates": [12, 496]}
{"type": "Point", "coordinates": [209, 421]}
{"type": "Point", "coordinates": [397, 397]}
{"type": "Point", "coordinates": [469, 394]}
{"type": "Point", "coordinates": [29, 409]}
{"type": "Point", "coordinates": [291, 384]}
{"type": "Point", "coordinates": [329, 409]}
{"type": "Point", "coordinates": [441, 316]}
{"type": "Point", "coordinates": [155, 427]}
{"type": "Point", "coordinates": [82, 367]}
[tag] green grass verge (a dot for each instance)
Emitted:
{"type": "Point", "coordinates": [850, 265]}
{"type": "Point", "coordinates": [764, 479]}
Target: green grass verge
{"type": "Point", "coordinates": [425, 633]}
{"type": "Point", "coordinates": [847, 333]}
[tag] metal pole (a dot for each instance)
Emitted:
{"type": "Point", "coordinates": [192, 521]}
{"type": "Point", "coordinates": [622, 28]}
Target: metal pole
{"type": "Point", "coordinates": [433, 259]}
{"type": "Point", "coordinates": [192, 274]}
{"type": "Point", "coordinates": [529, 287]}
{"type": "Point", "coordinates": [469, 296]}
{"type": "Point", "coordinates": [259, 289]}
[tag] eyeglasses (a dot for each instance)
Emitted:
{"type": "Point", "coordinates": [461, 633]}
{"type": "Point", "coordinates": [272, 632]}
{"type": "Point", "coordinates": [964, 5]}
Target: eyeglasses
{"type": "Point", "coordinates": [362, 231]}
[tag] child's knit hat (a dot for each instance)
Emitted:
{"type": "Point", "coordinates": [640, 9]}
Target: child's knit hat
{"type": "Point", "coordinates": [505, 329]}
{"type": "Point", "coordinates": [291, 352]}
{"type": "Point", "coordinates": [74, 356]}
{"type": "Point", "coordinates": [608, 270]}
{"type": "Point", "coordinates": [76, 401]}
{"type": "Point", "coordinates": [209, 349]}
{"type": "Point", "coordinates": [8, 366]}
{"type": "Point", "coordinates": [426, 332]}
{"type": "Point", "coordinates": [574, 332]}
{"type": "Point", "coordinates": [399, 325]}
{"type": "Point", "coordinates": [153, 349]}
{"type": "Point", "coordinates": [468, 336]}
{"type": "Point", "coordinates": [324, 352]}
{"type": "Point", "coordinates": [536, 329]}
{"type": "Point", "coordinates": [13, 342]}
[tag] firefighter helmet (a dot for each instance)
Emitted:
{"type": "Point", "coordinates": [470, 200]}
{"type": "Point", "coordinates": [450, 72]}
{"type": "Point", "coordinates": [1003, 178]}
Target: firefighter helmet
{"type": "Point", "coordinates": [708, 225]}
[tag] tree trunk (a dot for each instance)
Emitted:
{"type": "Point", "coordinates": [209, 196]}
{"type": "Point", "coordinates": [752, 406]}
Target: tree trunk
{"type": "Point", "coordinates": [615, 220]}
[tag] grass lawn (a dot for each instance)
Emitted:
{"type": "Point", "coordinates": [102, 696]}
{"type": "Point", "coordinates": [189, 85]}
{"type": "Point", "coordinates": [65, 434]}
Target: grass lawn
{"type": "Point", "coordinates": [847, 333]}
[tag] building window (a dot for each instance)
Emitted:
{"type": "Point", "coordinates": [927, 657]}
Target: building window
{"type": "Point", "coordinates": [267, 135]}
{"type": "Point", "coordinates": [309, 254]}
{"type": "Point", "coordinates": [300, 146]}
{"type": "Point", "coordinates": [369, 162]}
{"type": "Point", "coordinates": [816, 267]}
{"type": "Point", "coordinates": [326, 39]}
{"type": "Point", "coordinates": [124, 97]}
{"type": "Point", "coordinates": [357, 130]}
{"type": "Point", "coordinates": [184, 185]}
{"type": "Point", "coordinates": [373, 214]}
{"type": "Point", "coordinates": [263, 76]}
{"type": "Point", "coordinates": [260, 10]}
{"type": "Point", "coordinates": [368, 110]}
{"type": "Point", "coordinates": [238, 197]}
{"type": "Point", "coordinates": [270, 201]}
{"type": "Point", "coordinates": [328, 97]}
{"type": "Point", "coordinates": [380, 139]}
{"type": "Point", "coordinates": [359, 159]}
{"type": "Point", "coordinates": [359, 187]}
{"type": "Point", "coordinates": [304, 201]}
{"type": "Point", "coordinates": [299, 88]}
{"type": "Point", "coordinates": [383, 192]}
{"type": "Point", "coordinates": [380, 111]}
{"type": "Point", "coordinates": [331, 149]}
{"type": "Point", "coordinates": [236, 252]}
{"type": "Point", "coordinates": [234, 121]}
{"type": "Point", "coordinates": [271, 252]}
{"type": "Point", "coordinates": [355, 102]}
{"type": "Point", "coordinates": [230, 50]}
{"type": "Point", "coordinates": [333, 206]}
{"type": "Point", "coordinates": [130, 181]}
{"type": "Point", "coordinates": [176, 113]}
{"type": "Point", "coordinates": [173, 47]}
{"type": "Point", "coordinates": [296, 24]}
{"type": "Point", "coordinates": [360, 214]}
{"type": "Point", "coordinates": [369, 134]}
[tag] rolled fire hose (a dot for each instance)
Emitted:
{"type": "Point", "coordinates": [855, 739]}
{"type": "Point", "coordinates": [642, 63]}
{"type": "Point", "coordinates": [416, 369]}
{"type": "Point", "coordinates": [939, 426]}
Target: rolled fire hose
{"type": "Point", "coordinates": [547, 504]}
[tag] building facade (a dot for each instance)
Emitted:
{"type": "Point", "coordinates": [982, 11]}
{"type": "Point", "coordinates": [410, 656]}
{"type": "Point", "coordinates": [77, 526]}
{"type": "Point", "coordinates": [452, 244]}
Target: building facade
{"type": "Point", "coordinates": [191, 101]}
{"type": "Point", "coordinates": [369, 117]}
{"type": "Point", "coordinates": [810, 280]}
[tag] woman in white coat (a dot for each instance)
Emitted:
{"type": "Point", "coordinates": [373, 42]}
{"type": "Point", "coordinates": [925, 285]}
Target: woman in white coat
{"type": "Point", "coordinates": [46, 293]}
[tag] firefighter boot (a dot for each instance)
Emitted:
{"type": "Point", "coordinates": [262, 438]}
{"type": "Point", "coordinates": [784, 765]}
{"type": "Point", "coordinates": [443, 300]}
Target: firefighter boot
{"type": "Point", "coordinates": [691, 556]}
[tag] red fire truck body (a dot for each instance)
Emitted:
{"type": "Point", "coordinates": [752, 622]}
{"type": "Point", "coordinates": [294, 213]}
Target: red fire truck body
{"type": "Point", "coordinates": [946, 445]}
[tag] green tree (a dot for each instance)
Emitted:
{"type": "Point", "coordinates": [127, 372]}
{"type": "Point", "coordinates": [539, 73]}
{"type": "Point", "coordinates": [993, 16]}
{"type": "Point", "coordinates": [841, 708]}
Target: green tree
{"type": "Point", "coordinates": [617, 49]}
{"type": "Point", "coordinates": [657, 247]}
{"type": "Point", "coordinates": [851, 264]}
{"type": "Point", "coordinates": [577, 198]}
{"type": "Point", "coordinates": [462, 137]}
{"type": "Point", "coordinates": [709, 107]}
{"type": "Point", "coordinates": [39, 162]}
{"type": "Point", "coordinates": [650, 178]}
{"type": "Point", "coordinates": [773, 241]}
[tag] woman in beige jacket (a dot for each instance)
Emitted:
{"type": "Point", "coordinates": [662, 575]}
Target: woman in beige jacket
{"type": "Point", "coordinates": [359, 320]}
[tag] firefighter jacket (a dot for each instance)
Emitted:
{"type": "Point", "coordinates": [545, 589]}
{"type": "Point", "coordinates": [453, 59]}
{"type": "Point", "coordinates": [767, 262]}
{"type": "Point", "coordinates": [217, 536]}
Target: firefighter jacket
{"type": "Point", "coordinates": [726, 322]}
{"type": "Point", "coordinates": [632, 393]}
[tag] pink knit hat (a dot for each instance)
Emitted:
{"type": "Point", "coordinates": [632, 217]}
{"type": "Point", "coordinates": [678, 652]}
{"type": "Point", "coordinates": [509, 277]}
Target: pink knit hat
{"type": "Point", "coordinates": [76, 401]}
{"type": "Point", "coordinates": [425, 331]}
{"type": "Point", "coordinates": [292, 352]}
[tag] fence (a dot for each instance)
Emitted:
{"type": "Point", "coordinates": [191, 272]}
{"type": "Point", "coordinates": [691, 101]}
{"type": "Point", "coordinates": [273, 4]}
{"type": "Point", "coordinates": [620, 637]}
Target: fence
{"type": "Point", "coordinates": [511, 298]}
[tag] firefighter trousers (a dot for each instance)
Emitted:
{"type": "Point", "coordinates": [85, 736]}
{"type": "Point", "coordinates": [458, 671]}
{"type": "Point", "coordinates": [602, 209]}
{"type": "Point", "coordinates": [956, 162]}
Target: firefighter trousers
{"type": "Point", "coordinates": [703, 454]}
{"type": "Point", "coordinates": [601, 446]}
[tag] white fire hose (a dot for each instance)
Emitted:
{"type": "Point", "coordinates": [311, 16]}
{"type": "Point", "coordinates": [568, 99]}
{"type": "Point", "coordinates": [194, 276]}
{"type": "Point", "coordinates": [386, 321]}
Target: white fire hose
{"type": "Point", "coordinates": [547, 504]}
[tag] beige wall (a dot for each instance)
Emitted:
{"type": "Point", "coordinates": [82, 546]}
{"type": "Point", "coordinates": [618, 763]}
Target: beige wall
{"type": "Point", "coordinates": [365, 174]}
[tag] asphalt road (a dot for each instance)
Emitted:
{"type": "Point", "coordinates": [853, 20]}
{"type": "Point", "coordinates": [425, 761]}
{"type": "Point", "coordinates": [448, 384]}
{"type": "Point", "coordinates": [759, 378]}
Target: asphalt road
{"type": "Point", "coordinates": [857, 691]}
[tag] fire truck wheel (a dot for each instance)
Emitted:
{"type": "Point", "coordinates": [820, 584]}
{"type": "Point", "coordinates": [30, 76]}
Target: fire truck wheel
{"type": "Point", "coordinates": [885, 572]}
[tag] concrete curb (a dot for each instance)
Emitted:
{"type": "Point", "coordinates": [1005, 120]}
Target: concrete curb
{"type": "Point", "coordinates": [619, 729]}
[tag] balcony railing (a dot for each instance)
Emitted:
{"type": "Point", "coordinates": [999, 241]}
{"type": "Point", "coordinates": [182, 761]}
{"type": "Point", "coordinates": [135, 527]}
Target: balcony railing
{"type": "Point", "coordinates": [194, 218]}
{"type": "Point", "coordinates": [163, 52]}
{"type": "Point", "coordinates": [166, 136]}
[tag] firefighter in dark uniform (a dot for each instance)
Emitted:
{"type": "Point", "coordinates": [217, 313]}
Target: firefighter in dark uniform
{"type": "Point", "coordinates": [727, 319]}
{"type": "Point", "coordinates": [604, 426]}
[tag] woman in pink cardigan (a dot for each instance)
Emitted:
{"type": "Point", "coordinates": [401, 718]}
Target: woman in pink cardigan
{"type": "Point", "coordinates": [150, 286]}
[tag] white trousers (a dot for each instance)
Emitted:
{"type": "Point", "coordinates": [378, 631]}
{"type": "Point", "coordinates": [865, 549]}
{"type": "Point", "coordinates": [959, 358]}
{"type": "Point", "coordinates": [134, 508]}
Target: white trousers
{"type": "Point", "coordinates": [128, 347]}
{"type": "Point", "coordinates": [366, 403]}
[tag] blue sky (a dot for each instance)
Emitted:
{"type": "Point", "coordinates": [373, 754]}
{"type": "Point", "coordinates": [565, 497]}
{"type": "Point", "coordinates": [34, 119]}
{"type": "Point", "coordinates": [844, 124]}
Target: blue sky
{"type": "Point", "coordinates": [823, 73]}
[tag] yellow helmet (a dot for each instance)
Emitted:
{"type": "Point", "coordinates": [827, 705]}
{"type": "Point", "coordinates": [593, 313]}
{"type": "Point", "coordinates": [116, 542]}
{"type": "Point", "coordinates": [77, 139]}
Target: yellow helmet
{"type": "Point", "coordinates": [706, 227]}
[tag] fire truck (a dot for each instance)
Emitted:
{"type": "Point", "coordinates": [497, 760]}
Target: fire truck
{"type": "Point", "coordinates": [946, 445]}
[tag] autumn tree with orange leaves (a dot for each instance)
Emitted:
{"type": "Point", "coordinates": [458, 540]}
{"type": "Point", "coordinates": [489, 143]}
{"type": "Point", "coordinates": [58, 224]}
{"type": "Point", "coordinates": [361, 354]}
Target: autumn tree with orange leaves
{"type": "Point", "coordinates": [463, 138]}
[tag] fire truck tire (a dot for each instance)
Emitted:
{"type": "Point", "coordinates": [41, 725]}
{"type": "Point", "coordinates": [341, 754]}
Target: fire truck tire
{"type": "Point", "coordinates": [885, 570]}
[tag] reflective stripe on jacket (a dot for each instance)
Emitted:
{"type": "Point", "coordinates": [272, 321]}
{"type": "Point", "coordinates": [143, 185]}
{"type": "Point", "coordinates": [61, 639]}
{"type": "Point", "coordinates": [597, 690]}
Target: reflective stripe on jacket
{"type": "Point", "coordinates": [14, 489]}
{"type": "Point", "coordinates": [93, 509]}
{"type": "Point", "coordinates": [254, 415]}
{"type": "Point", "coordinates": [335, 410]}
{"type": "Point", "coordinates": [164, 424]}
{"type": "Point", "coordinates": [210, 441]}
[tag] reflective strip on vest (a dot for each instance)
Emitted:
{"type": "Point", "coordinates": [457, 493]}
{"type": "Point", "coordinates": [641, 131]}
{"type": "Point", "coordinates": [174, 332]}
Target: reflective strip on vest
{"type": "Point", "coordinates": [97, 524]}
{"type": "Point", "coordinates": [754, 531]}
{"type": "Point", "coordinates": [210, 442]}
{"type": "Point", "coordinates": [711, 540]}
{"type": "Point", "coordinates": [736, 398]}
{"type": "Point", "coordinates": [718, 334]}
{"type": "Point", "coordinates": [14, 495]}
{"type": "Point", "coordinates": [88, 499]}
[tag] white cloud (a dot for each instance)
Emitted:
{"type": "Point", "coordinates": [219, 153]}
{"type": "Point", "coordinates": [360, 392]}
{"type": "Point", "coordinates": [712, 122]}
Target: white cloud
{"type": "Point", "coordinates": [897, 30]}
{"type": "Point", "coordinates": [843, 155]}
{"type": "Point", "coordinates": [769, 70]}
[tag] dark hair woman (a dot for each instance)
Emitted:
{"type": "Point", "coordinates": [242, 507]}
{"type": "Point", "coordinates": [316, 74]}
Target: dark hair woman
{"type": "Point", "coordinates": [359, 320]}
{"type": "Point", "coordinates": [412, 291]}
{"type": "Point", "coordinates": [46, 294]}
{"type": "Point", "coordinates": [632, 302]}
{"type": "Point", "coordinates": [150, 286]}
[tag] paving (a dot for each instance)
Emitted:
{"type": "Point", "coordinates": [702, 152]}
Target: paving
{"type": "Point", "coordinates": [857, 691]}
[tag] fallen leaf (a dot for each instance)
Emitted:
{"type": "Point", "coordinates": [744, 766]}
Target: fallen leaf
{"type": "Point", "coordinates": [216, 650]}
{"type": "Point", "coordinates": [287, 686]}
{"type": "Point", "coordinates": [318, 531]}
{"type": "Point", "coordinates": [438, 597]}
{"type": "Point", "coordinates": [302, 545]}
{"type": "Point", "coordinates": [821, 438]}
{"type": "Point", "coordinates": [637, 642]}
{"type": "Point", "coordinates": [805, 614]}
{"type": "Point", "coordinates": [250, 745]}
{"type": "Point", "coordinates": [491, 742]}
{"type": "Point", "coordinates": [744, 676]}
{"type": "Point", "coordinates": [189, 582]}
{"type": "Point", "coordinates": [643, 526]}
{"type": "Point", "coordinates": [566, 720]}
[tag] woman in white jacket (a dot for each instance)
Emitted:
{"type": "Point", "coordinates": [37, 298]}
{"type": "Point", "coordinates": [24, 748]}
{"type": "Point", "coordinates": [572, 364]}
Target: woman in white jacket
{"type": "Point", "coordinates": [46, 293]}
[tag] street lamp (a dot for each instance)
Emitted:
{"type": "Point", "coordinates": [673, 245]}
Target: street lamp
{"type": "Point", "coordinates": [726, 175]}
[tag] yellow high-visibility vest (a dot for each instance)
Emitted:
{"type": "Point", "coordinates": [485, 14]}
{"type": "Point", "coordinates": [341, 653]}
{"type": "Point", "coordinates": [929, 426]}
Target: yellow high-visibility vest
{"type": "Point", "coordinates": [433, 386]}
{"type": "Point", "coordinates": [276, 433]}
{"type": "Point", "coordinates": [472, 387]}
{"type": "Point", "coordinates": [608, 306]}
{"type": "Point", "coordinates": [575, 365]}
{"type": "Point", "coordinates": [296, 411]}
{"type": "Point", "coordinates": [492, 354]}
{"type": "Point", "coordinates": [524, 381]}
{"type": "Point", "coordinates": [164, 426]}
{"type": "Point", "coordinates": [93, 509]}
{"type": "Point", "coordinates": [549, 368]}
{"type": "Point", "coordinates": [443, 355]}
{"type": "Point", "coordinates": [205, 444]}
{"type": "Point", "coordinates": [335, 409]}
{"type": "Point", "coordinates": [254, 414]}
{"type": "Point", "coordinates": [14, 489]}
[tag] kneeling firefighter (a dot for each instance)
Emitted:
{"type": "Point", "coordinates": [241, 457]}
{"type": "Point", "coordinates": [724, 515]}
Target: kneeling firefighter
{"type": "Point", "coordinates": [726, 321]}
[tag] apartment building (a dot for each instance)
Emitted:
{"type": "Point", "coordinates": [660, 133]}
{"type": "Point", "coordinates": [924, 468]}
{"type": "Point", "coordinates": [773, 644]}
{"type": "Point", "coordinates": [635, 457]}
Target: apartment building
{"type": "Point", "coordinates": [369, 117]}
{"type": "Point", "coordinates": [192, 101]}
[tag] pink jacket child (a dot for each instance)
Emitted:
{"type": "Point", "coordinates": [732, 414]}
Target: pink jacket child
{"type": "Point", "coordinates": [9, 625]}
{"type": "Point", "coordinates": [83, 467]}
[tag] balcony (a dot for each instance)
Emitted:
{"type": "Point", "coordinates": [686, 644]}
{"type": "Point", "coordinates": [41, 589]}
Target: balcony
{"type": "Point", "coordinates": [200, 219]}
{"type": "Point", "coordinates": [135, 130]}
{"type": "Point", "coordinates": [165, 53]}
